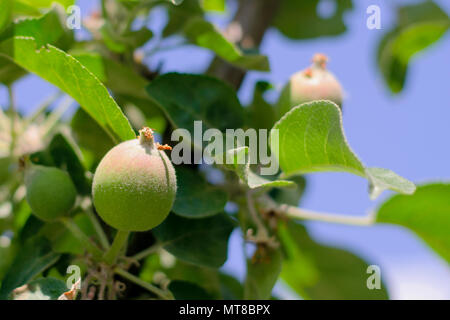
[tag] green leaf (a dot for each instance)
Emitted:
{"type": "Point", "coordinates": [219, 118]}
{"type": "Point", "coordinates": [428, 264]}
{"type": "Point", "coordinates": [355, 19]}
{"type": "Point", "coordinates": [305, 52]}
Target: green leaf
{"type": "Point", "coordinates": [427, 213]}
{"type": "Point", "coordinates": [300, 19]}
{"type": "Point", "coordinates": [34, 257]}
{"type": "Point", "coordinates": [6, 7]}
{"type": "Point", "coordinates": [47, 29]}
{"type": "Point", "coordinates": [310, 138]}
{"type": "Point", "coordinates": [39, 4]}
{"type": "Point", "coordinates": [186, 98]}
{"type": "Point", "coordinates": [204, 34]}
{"type": "Point", "coordinates": [43, 289]}
{"type": "Point", "coordinates": [214, 5]}
{"type": "Point", "coordinates": [178, 15]}
{"type": "Point", "coordinates": [69, 75]}
{"type": "Point", "coordinates": [230, 288]}
{"type": "Point", "coordinates": [90, 136]}
{"type": "Point", "coordinates": [195, 197]}
{"type": "Point", "coordinates": [199, 241]}
{"type": "Point", "coordinates": [184, 290]}
{"type": "Point", "coordinates": [66, 155]}
{"type": "Point", "coordinates": [383, 179]}
{"type": "Point", "coordinates": [63, 241]}
{"type": "Point", "coordinates": [262, 276]}
{"type": "Point", "coordinates": [419, 26]}
{"type": "Point", "coordinates": [238, 160]}
{"type": "Point", "coordinates": [290, 196]}
{"type": "Point", "coordinates": [316, 271]}
{"type": "Point", "coordinates": [261, 114]}
{"type": "Point", "coordinates": [126, 85]}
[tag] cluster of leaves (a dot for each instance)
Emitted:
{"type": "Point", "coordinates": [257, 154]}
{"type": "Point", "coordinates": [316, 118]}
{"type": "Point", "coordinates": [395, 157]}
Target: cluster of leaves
{"type": "Point", "coordinates": [117, 95]}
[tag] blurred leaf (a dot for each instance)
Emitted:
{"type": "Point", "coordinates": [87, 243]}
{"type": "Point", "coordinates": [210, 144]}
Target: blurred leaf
{"type": "Point", "coordinates": [178, 15]}
{"type": "Point", "coordinates": [290, 196]}
{"type": "Point", "coordinates": [205, 34]}
{"type": "Point", "coordinates": [33, 258]}
{"type": "Point", "coordinates": [311, 139]}
{"type": "Point", "coordinates": [43, 289]}
{"type": "Point", "coordinates": [427, 213]}
{"type": "Point", "coordinates": [262, 275]}
{"type": "Point", "coordinates": [199, 241]}
{"type": "Point", "coordinates": [63, 241]}
{"type": "Point", "coordinates": [238, 160]}
{"type": "Point", "coordinates": [316, 271]}
{"type": "Point", "coordinates": [9, 71]}
{"type": "Point", "coordinates": [66, 155]}
{"type": "Point", "coordinates": [213, 5]}
{"type": "Point", "coordinates": [69, 75]}
{"type": "Point", "coordinates": [49, 28]}
{"type": "Point", "coordinates": [418, 27]}
{"type": "Point", "coordinates": [6, 7]}
{"type": "Point", "coordinates": [186, 98]}
{"type": "Point", "coordinates": [301, 19]}
{"type": "Point", "coordinates": [231, 288]}
{"type": "Point", "coordinates": [184, 290]}
{"type": "Point", "coordinates": [89, 135]}
{"type": "Point", "coordinates": [261, 114]}
{"type": "Point", "coordinates": [195, 197]}
{"type": "Point", "coordinates": [39, 4]}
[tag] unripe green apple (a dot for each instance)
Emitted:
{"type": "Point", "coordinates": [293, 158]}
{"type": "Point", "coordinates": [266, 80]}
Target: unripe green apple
{"type": "Point", "coordinates": [50, 191]}
{"type": "Point", "coordinates": [312, 83]}
{"type": "Point", "coordinates": [135, 184]}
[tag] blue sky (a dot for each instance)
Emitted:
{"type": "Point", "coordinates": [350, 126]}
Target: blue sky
{"type": "Point", "coordinates": [406, 133]}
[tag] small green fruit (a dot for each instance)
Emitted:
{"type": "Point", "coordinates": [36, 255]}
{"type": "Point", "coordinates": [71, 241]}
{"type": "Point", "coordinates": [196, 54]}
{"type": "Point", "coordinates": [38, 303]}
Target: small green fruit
{"type": "Point", "coordinates": [50, 192]}
{"type": "Point", "coordinates": [313, 83]}
{"type": "Point", "coordinates": [135, 185]}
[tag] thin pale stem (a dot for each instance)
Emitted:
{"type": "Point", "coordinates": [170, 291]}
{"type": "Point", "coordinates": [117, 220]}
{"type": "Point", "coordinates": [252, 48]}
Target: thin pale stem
{"type": "Point", "coordinates": [165, 295]}
{"type": "Point", "coordinates": [80, 235]}
{"type": "Point", "coordinates": [113, 253]}
{"type": "Point", "coordinates": [302, 214]}
{"type": "Point", "coordinates": [13, 112]}
{"type": "Point", "coordinates": [98, 229]}
{"type": "Point", "coordinates": [145, 253]}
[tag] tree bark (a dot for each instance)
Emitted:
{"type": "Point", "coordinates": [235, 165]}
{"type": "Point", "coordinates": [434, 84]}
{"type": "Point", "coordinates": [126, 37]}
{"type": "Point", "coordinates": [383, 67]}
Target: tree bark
{"type": "Point", "coordinates": [253, 18]}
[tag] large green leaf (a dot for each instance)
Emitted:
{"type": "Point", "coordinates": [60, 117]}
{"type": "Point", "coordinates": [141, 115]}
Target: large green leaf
{"type": "Point", "coordinates": [195, 197]}
{"type": "Point", "coordinates": [205, 34]}
{"type": "Point", "coordinates": [419, 26]}
{"type": "Point", "coordinates": [69, 75]}
{"type": "Point", "coordinates": [34, 257]}
{"type": "Point", "coordinates": [310, 138]}
{"type": "Point", "coordinates": [262, 276]}
{"type": "Point", "coordinates": [125, 84]}
{"type": "Point", "coordinates": [301, 20]}
{"type": "Point", "coordinates": [316, 271]}
{"type": "Point", "coordinates": [186, 98]}
{"type": "Point", "coordinates": [427, 213]}
{"type": "Point", "coordinates": [199, 241]}
{"type": "Point", "coordinates": [47, 29]}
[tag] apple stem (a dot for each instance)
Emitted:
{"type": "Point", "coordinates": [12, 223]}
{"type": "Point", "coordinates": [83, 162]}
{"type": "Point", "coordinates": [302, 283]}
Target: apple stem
{"type": "Point", "coordinates": [119, 242]}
